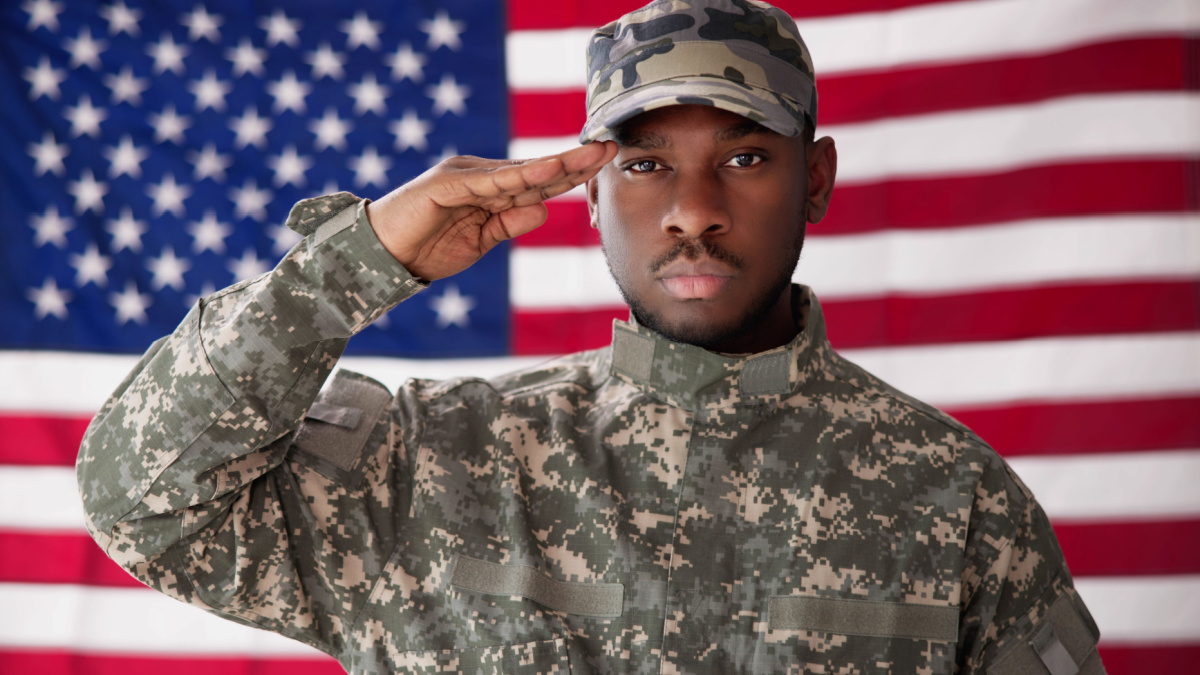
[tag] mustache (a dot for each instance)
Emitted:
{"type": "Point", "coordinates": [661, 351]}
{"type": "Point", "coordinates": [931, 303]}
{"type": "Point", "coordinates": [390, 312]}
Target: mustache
{"type": "Point", "coordinates": [695, 249]}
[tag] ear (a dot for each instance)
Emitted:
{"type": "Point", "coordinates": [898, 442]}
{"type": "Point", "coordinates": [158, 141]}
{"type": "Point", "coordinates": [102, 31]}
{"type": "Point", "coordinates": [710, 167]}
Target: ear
{"type": "Point", "coordinates": [593, 191]}
{"type": "Point", "coordinates": [822, 169]}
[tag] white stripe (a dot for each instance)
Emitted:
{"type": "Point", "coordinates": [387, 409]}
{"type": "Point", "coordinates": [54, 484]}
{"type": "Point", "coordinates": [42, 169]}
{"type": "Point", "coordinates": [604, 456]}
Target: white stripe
{"type": "Point", "coordinates": [140, 621]}
{"type": "Point", "coordinates": [1100, 367]}
{"type": "Point", "coordinates": [915, 261]}
{"type": "Point", "coordinates": [1153, 610]}
{"type": "Point", "coordinates": [1126, 486]}
{"type": "Point", "coordinates": [1121, 486]}
{"type": "Point", "coordinates": [1075, 368]}
{"type": "Point", "coordinates": [127, 620]}
{"type": "Point", "coordinates": [547, 60]}
{"type": "Point", "coordinates": [1148, 124]}
{"type": "Point", "coordinates": [94, 376]}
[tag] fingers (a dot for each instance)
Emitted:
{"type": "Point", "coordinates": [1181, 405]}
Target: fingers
{"type": "Point", "coordinates": [496, 185]}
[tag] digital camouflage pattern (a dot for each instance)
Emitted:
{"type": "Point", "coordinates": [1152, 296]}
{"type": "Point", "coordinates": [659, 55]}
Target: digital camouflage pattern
{"type": "Point", "coordinates": [648, 507]}
{"type": "Point", "coordinates": [743, 56]}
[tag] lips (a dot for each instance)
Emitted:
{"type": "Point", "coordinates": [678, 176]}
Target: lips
{"type": "Point", "coordinates": [695, 279]}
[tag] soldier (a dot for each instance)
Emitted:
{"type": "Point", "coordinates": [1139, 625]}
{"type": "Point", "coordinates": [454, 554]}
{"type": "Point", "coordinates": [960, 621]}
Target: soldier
{"type": "Point", "coordinates": [717, 491]}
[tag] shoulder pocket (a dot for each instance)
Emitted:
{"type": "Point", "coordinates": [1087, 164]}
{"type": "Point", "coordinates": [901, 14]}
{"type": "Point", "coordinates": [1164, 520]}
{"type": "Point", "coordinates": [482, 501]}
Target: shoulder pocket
{"type": "Point", "coordinates": [1063, 644]}
{"type": "Point", "coordinates": [338, 424]}
{"type": "Point", "coordinates": [863, 617]}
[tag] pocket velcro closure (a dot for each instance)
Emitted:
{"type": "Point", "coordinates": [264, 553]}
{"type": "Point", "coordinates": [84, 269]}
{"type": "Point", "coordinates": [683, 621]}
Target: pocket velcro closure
{"type": "Point", "coordinates": [863, 617]}
{"type": "Point", "coordinates": [337, 425]}
{"type": "Point", "coordinates": [583, 599]}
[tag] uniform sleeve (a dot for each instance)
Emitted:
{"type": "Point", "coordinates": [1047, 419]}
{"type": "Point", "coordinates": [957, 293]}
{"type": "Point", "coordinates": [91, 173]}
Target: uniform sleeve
{"type": "Point", "coordinates": [188, 475]}
{"type": "Point", "coordinates": [1020, 613]}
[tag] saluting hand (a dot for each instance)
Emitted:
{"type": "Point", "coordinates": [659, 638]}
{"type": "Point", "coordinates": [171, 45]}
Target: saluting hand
{"type": "Point", "coordinates": [444, 220]}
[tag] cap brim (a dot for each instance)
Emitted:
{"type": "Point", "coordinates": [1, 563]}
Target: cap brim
{"type": "Point", "coordinates": [774, 111]}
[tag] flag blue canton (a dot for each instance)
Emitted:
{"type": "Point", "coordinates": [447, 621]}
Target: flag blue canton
{"type": "Point", "coordinates": [151, 152]}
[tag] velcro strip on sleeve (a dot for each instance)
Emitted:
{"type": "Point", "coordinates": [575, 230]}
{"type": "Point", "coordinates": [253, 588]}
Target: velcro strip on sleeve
{"type": "Point", "coordinates": [1064, 644]}
{"type": "Point", "coordinates": [863, 617]}
{"type": "Point", "coordinates": [337, 415]}
{"type": "Point", "coordinates": [345, 415]}
{"type": "Point", "coordinates": [583, 599]}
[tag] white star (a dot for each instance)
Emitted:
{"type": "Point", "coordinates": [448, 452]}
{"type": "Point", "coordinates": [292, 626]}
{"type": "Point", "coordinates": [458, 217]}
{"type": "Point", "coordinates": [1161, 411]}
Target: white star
{"type": "Point", "coordinates": [85, 118]}
{"type": "Point", "coordinates": [289, 167]}
{"type": "Point", "coordinates": [209, 234]}
{"type": "Point", "coordinates": [126, 87]}
{"type": "Point", "coordinates": [326, 63]}
{"type": "Point", "coordinates": [443, 32]}
{"type": "Point", "coordinates": [85, 50]}
{"type": "Point", "coordinates": [448, 96]}
{"type": "Point", "coordinates": [362, 31]}
{"type": "Point", "coordinates": [42, 13]}
{"type": "Point", "coordinates": [447, 152]}
{"type": "Point", "coordinates": [167, 55]}
{"type": "Point", "coordinates": [208, 163]}
{"type": "Point", "coordinates": [51, 228]}
{"type": "Point", "coordinates": [126, 232]}
{"type": "Point", "coordinates": [250, 201]}
{"type": "Point", "coordinates": [130, 305]}
{"type": "Point", "coordinates": [201, 24]}
{"type": "Point", "coordinates": [126, 158]}
{"type": "Point", "coordinates": [406, 63]}
{"type": "Point", "coordinates": [44, 80]}
{"type": "Point", "coordinates": [168, 270]}
{"type": "Point", "coordinates": [289, 93]}
{"type": "Point", "coordinates": [369, 95]}
{"type": "Point", "coordinates": [169, 125]}
{"type": "Point", "coordinates": [284, 237]}
{"type": "Point", "coordinates": [370, 168]}
{"type": "Point", "coordinates": [48, 155]}
{"type": "Point", "coordinates": [249, 266]}
{"type": "Point", "coordinates": [452, 308]}
{"type": "Point", "coordinates": [168, 196]}
{"type": "Point", "coordinates": [91, 267]}
{"type": "Point", "coordinates": [250, 129]}
{"type": "Point", "coordinates": [49, 299]}
{"type": "Point", "coordinates": [280, 29]}
{"type": "Point", "coordinates": [121, 18]}
{"type": "Point", "coordinates": [246, 58]}
{"type": "Point", "coordinates": [331, 131]}
{"type": "Point", "coordinates": [210, 92]}
{"type": "Point", "coordinates": [88, 193]}
{"type": "Point", "coordinates": [411, 132]}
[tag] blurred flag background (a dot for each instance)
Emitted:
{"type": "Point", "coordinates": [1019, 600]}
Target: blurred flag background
{"type": "Point", "coordinates": [1015, 237]}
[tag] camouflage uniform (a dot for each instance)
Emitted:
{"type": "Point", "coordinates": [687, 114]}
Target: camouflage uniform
{"type": "Point", "coordinates": [649, 507]}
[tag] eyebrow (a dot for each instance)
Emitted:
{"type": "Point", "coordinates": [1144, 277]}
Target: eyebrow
{"type": "Point", "coordinates": [627, 137]}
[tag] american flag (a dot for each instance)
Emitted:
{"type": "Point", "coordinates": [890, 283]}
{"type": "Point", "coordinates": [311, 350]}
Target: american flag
{"type": "Point", "coordinates": [1015, 237]}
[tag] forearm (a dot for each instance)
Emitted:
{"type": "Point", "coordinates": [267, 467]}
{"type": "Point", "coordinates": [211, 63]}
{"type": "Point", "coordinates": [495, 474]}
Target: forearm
{"type": "Point", "coordinates": [197, 417]}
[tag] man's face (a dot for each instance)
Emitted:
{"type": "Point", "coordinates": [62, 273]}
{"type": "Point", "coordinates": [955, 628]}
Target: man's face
{"type": "Point", "coordinates": [702, 217]}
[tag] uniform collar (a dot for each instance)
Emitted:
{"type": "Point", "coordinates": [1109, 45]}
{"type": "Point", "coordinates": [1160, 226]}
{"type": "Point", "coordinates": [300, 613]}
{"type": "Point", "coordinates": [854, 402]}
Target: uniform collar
{"type": "Point", "coordinates": [692, 377]}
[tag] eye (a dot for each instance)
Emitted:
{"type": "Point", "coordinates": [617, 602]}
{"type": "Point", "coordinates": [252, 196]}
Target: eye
{"type": "Point", "coordinates": [642, 166]}
{"type": "Point", "coordinates": [744, 159]}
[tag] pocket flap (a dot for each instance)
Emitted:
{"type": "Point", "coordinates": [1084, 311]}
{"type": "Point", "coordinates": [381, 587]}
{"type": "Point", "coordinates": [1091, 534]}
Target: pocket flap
{"type": "Point", "coordinates": [863, 617]}
{"type": "Point", "coordinates": [584, 599]}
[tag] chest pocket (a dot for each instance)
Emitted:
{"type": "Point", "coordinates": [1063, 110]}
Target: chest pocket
{"type": "Point", "coordinates": [338, 425]}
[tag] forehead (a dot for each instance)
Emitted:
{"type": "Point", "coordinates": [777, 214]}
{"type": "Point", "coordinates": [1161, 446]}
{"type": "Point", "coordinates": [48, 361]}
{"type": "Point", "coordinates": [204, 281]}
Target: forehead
{"type": "Point", "coordinates": [656, 128]}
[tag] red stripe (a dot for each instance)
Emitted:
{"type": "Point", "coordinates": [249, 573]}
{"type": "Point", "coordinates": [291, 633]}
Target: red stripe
{"type": "Point", "coordinates": [61, 662]}
{"type": "Point", "coordinates": [44, 558]}
{"type": "Point", "coordinates": [36, 440]}
{"type": "Point", "coordinates": [1139, 65]}
{"type": "Point", "coordinates": [1065, 190]}
{"type": "Point", "coordinates": [1179, 659]}
{"type": "Point", "coordinates": [1086, 428]}
{"type": "Point", "coordinates": [541, 15]}
{"type": "Point", "coordinates": [1118, 660]}
{"type": "Point", "coordinates": [1084, 309]}
{"type": "Point", "coordinates": [1135, 548]}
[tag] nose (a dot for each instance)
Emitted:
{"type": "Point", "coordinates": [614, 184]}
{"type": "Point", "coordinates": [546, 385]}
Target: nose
{"type": "Point", "coordinates": [698, 207]}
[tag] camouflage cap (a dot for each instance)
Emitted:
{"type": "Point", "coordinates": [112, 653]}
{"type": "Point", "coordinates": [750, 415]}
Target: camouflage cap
{"type": "Point", "coordinates": [743, 56]}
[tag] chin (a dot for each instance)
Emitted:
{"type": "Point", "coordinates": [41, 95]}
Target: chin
{"type": "Point", "coordinates": [701, 331]}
